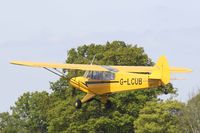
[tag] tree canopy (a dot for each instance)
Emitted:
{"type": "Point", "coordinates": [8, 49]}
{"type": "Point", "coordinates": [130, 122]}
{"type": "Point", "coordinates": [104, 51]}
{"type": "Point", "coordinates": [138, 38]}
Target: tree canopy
{"type": "Point", "coordinates": [134, 111]}
{"type": "Point", "coordinates": [159, 117]}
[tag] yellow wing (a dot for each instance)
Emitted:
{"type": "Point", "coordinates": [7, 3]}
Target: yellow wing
{"type": "Point", "coordinates": [86, 67]}
{"type": "Point", "coordinates": [62, 66]}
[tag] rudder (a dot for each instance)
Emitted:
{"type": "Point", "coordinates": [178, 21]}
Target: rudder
{"type": "Point", "coordinates": [161, 71]}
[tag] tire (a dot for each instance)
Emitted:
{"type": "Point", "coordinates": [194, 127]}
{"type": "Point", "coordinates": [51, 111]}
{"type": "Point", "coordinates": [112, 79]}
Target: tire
{"type": "Point", "coordinates": [108, 104]}
{"type": "Point", "coordinates": [166, 91]}
{"type": "Point", "coordinates": [78, 104]}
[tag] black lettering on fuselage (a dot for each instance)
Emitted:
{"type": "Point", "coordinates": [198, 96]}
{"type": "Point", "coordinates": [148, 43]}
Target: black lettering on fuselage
{"type": "Point", "coordinates": [121, 81]}
{"type": "Point", "coordinates": [131, 81]}
{"type": "Point", "coordinates": [128, 83]}
{"type": "Point", "coordinates": [140, 81]}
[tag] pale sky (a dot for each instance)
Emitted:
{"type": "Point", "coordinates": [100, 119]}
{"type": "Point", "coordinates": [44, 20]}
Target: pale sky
{"type": "Point", "coordinates": [43, 30]}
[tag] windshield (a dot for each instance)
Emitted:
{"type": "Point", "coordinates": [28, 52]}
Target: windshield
{"type": "Point", "coordinates": [100, 75]}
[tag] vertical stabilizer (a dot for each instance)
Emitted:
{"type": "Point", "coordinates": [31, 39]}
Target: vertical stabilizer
{"type": "Point", "coordinates": [161, 71]}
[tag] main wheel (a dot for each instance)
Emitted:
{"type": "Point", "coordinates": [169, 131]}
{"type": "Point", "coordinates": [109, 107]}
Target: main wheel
{"type": "Point", "coordinates": [108, 104]}
{"type": "Point", "coordinates": [78, 104]}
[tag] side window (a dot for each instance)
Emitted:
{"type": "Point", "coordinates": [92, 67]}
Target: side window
{"type": "Point", "coordinates": [101, 75]}
{"type": "Point", "coordinates": [89, 75]}
{"type": "Point", "coordinates": [108, 76]}
{"type": "Point", "coordinates": [112, 76]}
{"type": "Point", "coordinates": [95, 75]}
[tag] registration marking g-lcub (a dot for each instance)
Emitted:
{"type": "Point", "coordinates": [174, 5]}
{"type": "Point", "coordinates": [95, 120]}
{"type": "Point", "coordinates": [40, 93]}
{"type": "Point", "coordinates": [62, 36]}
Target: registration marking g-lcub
{"type": "Point", "coordinates": [131, 81]}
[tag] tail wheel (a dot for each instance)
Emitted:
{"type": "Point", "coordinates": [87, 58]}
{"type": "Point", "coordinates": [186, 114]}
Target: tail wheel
{"type": "Point", "coordinates": [78, 104]}
{"type": "Point", "coordinates": [166, 91]}
{"type": "Point", "coordinates": [108, 104]}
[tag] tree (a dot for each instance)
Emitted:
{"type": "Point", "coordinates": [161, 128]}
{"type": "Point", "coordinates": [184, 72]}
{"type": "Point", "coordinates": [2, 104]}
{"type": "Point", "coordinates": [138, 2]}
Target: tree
{"type": "Point", "coordinates": [30, 110]}
{"type": "Point", "coordinates": [160, 117]}
{"type": "Point", "coordinates": [191, 115]}
{"type": "Point", "coordinates": [9, 124]}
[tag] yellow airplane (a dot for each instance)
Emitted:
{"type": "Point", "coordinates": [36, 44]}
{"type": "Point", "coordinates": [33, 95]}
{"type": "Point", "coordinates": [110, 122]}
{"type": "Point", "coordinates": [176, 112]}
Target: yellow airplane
{"type": "Point", "coordinates": [103, 80]}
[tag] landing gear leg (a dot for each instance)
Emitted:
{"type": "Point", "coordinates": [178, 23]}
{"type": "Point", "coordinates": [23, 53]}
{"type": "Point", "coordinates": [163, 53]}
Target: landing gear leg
{"type": "Point", "coordinates": [106, 101]}
{"type": "Point", "coordinates": [88, 97]}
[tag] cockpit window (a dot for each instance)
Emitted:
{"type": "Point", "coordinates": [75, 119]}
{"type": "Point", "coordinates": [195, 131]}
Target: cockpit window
{"type": "Point", "coordinates": [100, 75]}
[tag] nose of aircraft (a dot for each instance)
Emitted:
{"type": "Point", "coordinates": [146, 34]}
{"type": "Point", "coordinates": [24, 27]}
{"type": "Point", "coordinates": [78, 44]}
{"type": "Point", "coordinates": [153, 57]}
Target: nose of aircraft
{"type": "Point", "coordinates": [72, 80]}
{"type": "Point", "coordinates": [75, 82]}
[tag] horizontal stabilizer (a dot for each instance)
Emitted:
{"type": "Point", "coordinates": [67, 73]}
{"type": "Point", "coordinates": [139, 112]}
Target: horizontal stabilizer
{"type": "Point", "coordinates": [177, 78]}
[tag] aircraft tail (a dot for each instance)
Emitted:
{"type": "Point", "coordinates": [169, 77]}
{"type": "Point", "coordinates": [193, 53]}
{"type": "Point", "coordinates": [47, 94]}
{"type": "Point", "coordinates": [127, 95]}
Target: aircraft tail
{"type": "Point", "coordinates": [161, 71]}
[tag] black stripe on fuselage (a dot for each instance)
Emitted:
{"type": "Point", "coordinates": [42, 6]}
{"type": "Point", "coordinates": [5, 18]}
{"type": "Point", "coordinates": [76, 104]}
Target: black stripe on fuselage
{"type": "Point", "coordinates": [101, 82]}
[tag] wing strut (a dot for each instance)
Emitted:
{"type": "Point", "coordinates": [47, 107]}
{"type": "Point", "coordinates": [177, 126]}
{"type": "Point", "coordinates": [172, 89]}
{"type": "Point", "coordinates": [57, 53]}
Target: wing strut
{"type": "Point", "coordinates": [60, 74]}
{"type": "Point", "coordinates": [86, 72]}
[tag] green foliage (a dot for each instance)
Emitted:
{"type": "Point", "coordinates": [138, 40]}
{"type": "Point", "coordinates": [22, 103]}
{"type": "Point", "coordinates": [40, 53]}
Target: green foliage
{"type": "Point", "coordinates": [159, 117]}
{"type": "Point", "coordinates": [191, 115]}
{"type": "Point", "coordinates": [9, 124]}
{"type": "Point", "coordinates": [115, 53]}
{"type": "Point", "coordinates": [30, 110]}
{"type": "Point", "coordinates": [55, 112]}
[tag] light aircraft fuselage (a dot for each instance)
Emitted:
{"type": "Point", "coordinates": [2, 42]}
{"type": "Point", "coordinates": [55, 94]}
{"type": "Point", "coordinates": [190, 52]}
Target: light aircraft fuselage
{"type": "Point", "coordinates": [114, 82]}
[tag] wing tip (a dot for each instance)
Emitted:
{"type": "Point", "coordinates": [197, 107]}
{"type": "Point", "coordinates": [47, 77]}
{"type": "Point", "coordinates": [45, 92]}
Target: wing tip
{"type": "Point", "coordinates": [18, 63]}
{"type": "Point", "coordinates": [13, 62]}
{"type": "Point", "coordinates": [180, 70]}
